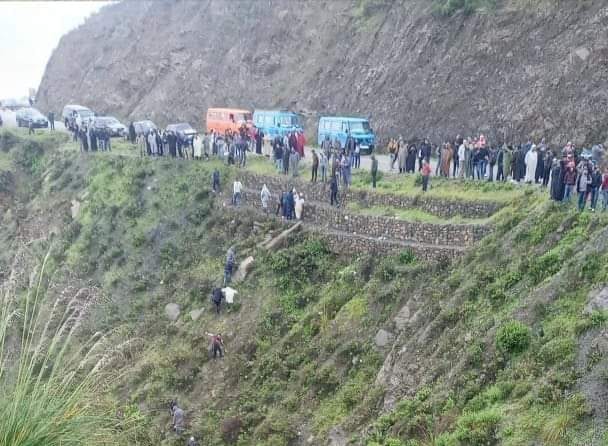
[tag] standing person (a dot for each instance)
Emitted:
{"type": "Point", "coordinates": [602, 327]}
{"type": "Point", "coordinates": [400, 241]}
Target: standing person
{"type": "Point", "coordinates": [531, 160]}
{"type": "Point", "coordinates": [402, 155]}
{"type": "Point", "coordinates": [259, 140]}
{"type": "Point", "coordinates": [301, 143]}
{"type": "Point", "coordinates": [294, 159]}
{"type": "Point", "coordinates": [461, 159]}
{"type": "Point", "coordinates": [333, 187]}
{"type": "Point", "coordinates": [197, 143]}
{"type": "Point", "coordinates": [492, 158]}
{"type": "Point", "coordinates": [216, 298]}
{"type": "Point", "coordinates": [500, 159]}
{"type": "Point", "coordinates": [229, 265]}
{"type": "Point", "coordinates": [51, 118]}
{"type": "Point", "coordinates": [217, 345]}
{"type": "Point", "coordinates": [323, 166]}
{"type": "Point", "coordinates": [410, 161]}
{"type": "Point", "coordinates": [374, 171]}
{"type": "Point", "coordinates": [237, 188]}
{"type": "Point", "coordinates": [132, 135]}
{"type": "Point", "coordinates": [583, 185]}
{"type": "Point", "coordinates": [507, 163]}
{"type": "Point", "coordinates": [569, 181]}
{"type": "Point", "coordinates": [286, 155]}
{"type": "Point", "coordinates": [30, 128]}
{"type": "Point", "coordinates": [540, 165]}
{"type": "Point", "coordinates": [457, 143]}
{"type": "Point", "coordinates": [596, 183]}
{"type": "Point", "coordinates": [152, 143]}
{"type": "Point", "coordinates": [315, 166]}
{"type": "Point", "coordinates": [468, 160]}
{"type": "Point", "coordinates": [547, 166]}
{"type": "Point", "coordinates": [298, 205]}
{"type": "Point", "coordinates": [265, 197]}
{"type": "Point", "coordinates": [326, 147]}
{"type": "Point", "coordinates": [357, 156]}
{"type": "Point", "coordinates": [345, 170]}
{"type": "Point", "coordinates": [426, 173]}
{"type": "Point", "coordinates": [159, 143]}
{"type": "Point", "coordinates": [557, 186]}
{"type": "Point", "coordinates": [290, 206]}
{"type": "Point", "coordinates": [393, 150]}
{"type": "Point", "coordinates": [215, 178]}
{"type": "Point", "coordinates": [604, 190]}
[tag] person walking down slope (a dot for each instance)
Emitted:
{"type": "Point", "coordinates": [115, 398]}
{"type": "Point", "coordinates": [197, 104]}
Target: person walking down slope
{"type": "Point", "coordinates": [177, 418]}
{"type": "Point", "coordinates": [265, 197]}
{"type": "Point", "coordinates": [217, 345]}
{"type": "Point", "coordinates": [216, 298]}
{"type": "Point", "coordinates": [237, 188]}
{"type": "Point", "coordinates": [229, 266]}
{"type": "Point", "coordinates": [192, 442]}
{"type": "Point", "coordinates": [426, 173]}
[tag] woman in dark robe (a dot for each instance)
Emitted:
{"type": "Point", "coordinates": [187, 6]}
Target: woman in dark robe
{"type": "Point", "coordinates": [172, 140]}
{"type": "Point", "coordinates": [259, 138]}
{"type": "Point", "coordinates": [557, 183]}
{"type": "Point", "coordinates": [93, 139]}
{"type": "Point", "coordinates": [84, 140]}
{"type": "Point", "coordinates": [520, 164]}
{"type": "Point", "coordinates": [410, 161]}
{"type": "Point", "coordinates": [540, 166]}
{"type": "Point", "coordinates": [548, 165]}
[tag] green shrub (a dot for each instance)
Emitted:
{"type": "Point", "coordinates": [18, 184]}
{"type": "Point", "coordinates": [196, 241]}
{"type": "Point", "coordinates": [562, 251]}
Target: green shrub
{"type": "Point", "coordinates": [478, 428]}
{"type": "Point", "coordinates": [407, 257]}
{"type": "Point", "coordinates": [513, 337]}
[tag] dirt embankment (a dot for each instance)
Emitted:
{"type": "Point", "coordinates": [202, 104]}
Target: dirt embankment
{"type": "Point", "coordinates": [538, 70]}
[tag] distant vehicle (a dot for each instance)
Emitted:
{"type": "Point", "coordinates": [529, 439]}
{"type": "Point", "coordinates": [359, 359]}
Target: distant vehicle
{"type": "Point", "coordinates": [144, 127]}
{"type": "Point", "coordinates": [76, 115]}
{"type": "Point", "coordinates": [26, 115]}
{"type": "Point", "coordinates": [222, 119]}
{"type": "Point", "coordinates": [15, 104]}
{"type": "Point", "coordinates": [276, 122]}
{"type": "Point", "coordinates": [110, 123]}
{"type": "Point", "coordinates": [183, 130]}
{"type": "Point", "coordinates": [338, 126]}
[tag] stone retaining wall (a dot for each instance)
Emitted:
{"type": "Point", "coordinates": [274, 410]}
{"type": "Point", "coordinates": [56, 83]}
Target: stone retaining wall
{"type": "Point", "coordinates": [332, 218]}
{"type": "Point", "coordinates": [320, 192]}
{"type": "Point", "coordinates": [342, 243]}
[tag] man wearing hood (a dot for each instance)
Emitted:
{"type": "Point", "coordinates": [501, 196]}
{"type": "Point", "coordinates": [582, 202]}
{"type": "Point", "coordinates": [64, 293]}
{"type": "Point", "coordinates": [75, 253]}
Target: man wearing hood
{"type": "Point", "coordinates": [531, 160]}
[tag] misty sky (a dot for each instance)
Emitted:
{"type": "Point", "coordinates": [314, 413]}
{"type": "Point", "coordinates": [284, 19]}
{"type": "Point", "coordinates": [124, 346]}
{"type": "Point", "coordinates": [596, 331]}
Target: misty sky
{"type": "Point", "coordinates": [29, 32]}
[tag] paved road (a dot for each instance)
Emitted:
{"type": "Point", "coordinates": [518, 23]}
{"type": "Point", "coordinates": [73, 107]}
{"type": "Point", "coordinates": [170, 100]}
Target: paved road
{"type": "Point", "coordinates": [9, 120]}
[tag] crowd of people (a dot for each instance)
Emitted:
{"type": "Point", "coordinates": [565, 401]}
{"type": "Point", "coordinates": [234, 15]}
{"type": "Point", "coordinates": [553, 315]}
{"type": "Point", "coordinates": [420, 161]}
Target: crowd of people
{"type": "Point", "coordinates": [92, 139]}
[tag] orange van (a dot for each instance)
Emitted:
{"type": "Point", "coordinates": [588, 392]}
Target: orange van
{"type": "Point", "coordinates": [222, 119]}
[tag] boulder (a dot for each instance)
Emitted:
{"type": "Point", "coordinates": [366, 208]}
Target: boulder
{"type": "Point", "coordinates": [75, 209]}
{"type": "Point", "coordinates": [383, 338]}
{"type": "Point", "coordinates": [243, 269]}
{"type": "Point", "coordinates": [598, 301]}
{"type": "Point", "coordinates": [403, 318]}
{"type": "Point", "coordinates": [196, 314]}
{"type": "Point", "coordinates": [172, 311]}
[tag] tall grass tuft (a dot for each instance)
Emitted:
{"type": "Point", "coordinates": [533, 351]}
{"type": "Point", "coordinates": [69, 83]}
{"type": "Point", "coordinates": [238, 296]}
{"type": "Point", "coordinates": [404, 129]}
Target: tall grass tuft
{"type": "Point", "coordinates": [51, 389]}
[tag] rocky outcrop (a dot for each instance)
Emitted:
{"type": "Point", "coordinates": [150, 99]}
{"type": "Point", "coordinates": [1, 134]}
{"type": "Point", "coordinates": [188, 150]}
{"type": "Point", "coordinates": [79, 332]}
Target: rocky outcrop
{"type": "Point", "coordinates": [527, 68]}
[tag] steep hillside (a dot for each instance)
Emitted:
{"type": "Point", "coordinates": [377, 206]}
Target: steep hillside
{"type": "Point", "coordinates": [526, 68]}
{"type": "Point", "coordinates": [504, 347]}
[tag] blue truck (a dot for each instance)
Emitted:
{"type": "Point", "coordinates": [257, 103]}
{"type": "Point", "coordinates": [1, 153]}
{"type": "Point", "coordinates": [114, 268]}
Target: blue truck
{"type": "Point", "coordinates": [338, 127]}
{"type": "Point", "coordinates": [276, 122]}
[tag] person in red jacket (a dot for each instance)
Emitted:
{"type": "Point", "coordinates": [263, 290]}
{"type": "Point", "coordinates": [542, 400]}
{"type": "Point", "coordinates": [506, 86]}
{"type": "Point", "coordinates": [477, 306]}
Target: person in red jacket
{"type": "Point", "coordinates": [426, 173]}
{"type": "Point", "coordinates": [301, 142]}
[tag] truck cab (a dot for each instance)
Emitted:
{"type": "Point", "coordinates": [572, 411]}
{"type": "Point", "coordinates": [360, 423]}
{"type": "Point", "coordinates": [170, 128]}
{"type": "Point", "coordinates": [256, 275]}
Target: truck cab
{"type": "Point", "coordinates": [338, 127]}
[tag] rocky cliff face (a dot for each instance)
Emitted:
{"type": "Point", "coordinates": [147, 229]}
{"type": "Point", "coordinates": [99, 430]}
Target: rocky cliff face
{"type": "Point", "coordinates": [539, 69]}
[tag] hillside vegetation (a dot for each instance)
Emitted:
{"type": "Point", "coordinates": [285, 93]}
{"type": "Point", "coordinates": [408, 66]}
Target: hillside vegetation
{"type": "Point", "coordinates": [494, 349]}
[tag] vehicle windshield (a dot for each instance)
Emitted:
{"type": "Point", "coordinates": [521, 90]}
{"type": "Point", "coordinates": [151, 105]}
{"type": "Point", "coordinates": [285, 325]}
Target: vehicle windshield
{"type": "Point", "coordinates": [242, 117]}
{"type": "Point", "coordinates": [85, 113]}
{"type": "Point", "coordinates": [360, 127]}
{"type": "Point", "coordinates": [289, 121]}
{"type": "Point", "coordinates": [32, 113]}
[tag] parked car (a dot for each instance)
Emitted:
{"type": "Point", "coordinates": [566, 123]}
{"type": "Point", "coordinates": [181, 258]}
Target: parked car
{"type": "Point", "coordinates": [222, 119]}
{"type": "Point", "coordinates": [76, 115]}
{"type": "Point", "coordinates": [111, 123]}
{"type": "Point", "coordinates": [338, 126]}
{"type": "Point", "coordinates": [183, 130]}
{"type": "Point", "coordinates": [144, 127]}
{"type": "Point", "coordinates": [25, 116]}
{"type": "Point", "coordinates": [276, 122]}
